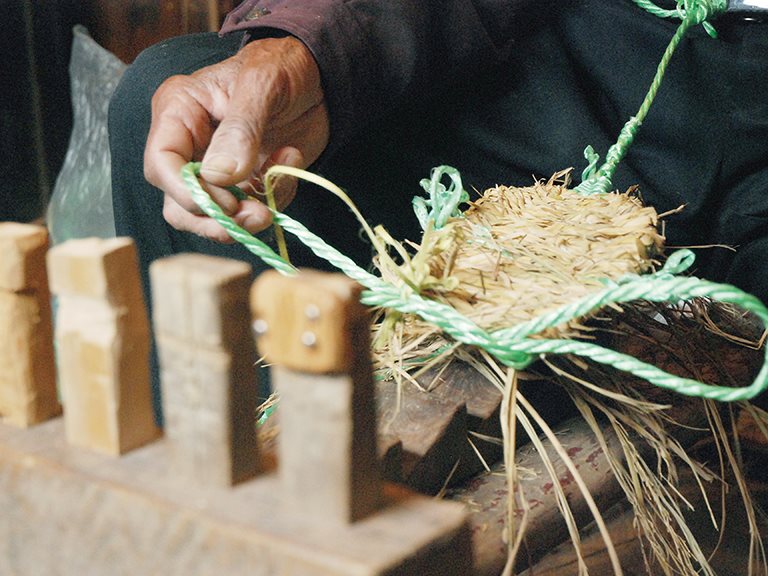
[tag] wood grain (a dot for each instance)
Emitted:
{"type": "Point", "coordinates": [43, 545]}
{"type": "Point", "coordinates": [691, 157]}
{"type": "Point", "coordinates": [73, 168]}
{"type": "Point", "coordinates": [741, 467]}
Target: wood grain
{"type": "Point", "coordinates": [102, 335]}
{"type": "Point", "coordinates": [27, 370]}
{"type": "Point", "coordinates": [207, 360]}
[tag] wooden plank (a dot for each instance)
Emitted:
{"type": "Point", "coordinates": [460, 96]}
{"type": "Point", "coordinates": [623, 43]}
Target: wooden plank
{"type": "Point", "coordinates": [727, 547]}
{"type": "Point", "coordinates": [102, 335]}
{"type": "Point", "coordinates": [70, 512]}
{"type": "Point", "coordinates": [327, 445]}
{"type": "Point", "coordinates": [27, 370]}
{"type": "Point", "coordinates": [432, 429]}
{"type": "Point", "coordinates": [207, 360]}
{"type": "Point", "coordinates": [486, 497]}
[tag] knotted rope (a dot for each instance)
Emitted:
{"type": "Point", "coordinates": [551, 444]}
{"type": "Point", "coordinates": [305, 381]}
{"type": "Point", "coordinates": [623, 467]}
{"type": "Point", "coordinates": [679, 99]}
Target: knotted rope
{"type": "Point", "coordinates": [517, 346]}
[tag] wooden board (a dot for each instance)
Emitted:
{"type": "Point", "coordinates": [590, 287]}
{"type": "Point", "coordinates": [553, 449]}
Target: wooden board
{"type": "Point", "coordinates": [67, 511]}
{"type": "Point", "coordinates": [102, 337]}
{"type": "Point", "coordinates": [206, 357]}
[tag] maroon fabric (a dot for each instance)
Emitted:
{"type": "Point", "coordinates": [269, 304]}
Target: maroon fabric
{"type": "Point", "coordinates": [374, 53]}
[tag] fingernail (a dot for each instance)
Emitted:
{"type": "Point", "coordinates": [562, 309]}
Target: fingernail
{"type": "Point", "coordinates": [221, 164]}
{"type": "Point", "coordinates": [289, 156]}
{"type": "Point", "coordinates": [256, 222]}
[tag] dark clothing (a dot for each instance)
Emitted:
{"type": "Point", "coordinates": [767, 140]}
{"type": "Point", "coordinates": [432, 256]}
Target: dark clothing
{"type": "Point", "coordinates": [373, 53]}
{"type": "Point", "coordinates": [530, 85]}
{"type": "Point", "coordinates": [505, 91]}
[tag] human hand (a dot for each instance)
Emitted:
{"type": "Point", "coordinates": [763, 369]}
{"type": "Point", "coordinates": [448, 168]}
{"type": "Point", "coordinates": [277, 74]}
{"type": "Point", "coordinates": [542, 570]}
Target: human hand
{"type": "Point", "coordinates": [261, 107]}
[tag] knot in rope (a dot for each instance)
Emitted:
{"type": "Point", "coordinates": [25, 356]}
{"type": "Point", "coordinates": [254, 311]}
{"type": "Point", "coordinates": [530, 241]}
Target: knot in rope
{"type": "Point", "coordinates": [443, 203]}
{"type": "Point", "coordinates": [699, 11]}
{"type": "Point", "coordinates": [692, 12]}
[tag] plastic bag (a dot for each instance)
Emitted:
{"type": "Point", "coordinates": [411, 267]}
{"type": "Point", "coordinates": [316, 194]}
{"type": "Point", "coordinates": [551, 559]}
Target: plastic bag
{"type": "Point", "coordinates": [81, 203]}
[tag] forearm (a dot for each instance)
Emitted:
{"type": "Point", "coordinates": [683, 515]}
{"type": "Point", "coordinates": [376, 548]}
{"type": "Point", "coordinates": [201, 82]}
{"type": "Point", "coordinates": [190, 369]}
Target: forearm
{"type": "Point", "coordinates": [374, 53]}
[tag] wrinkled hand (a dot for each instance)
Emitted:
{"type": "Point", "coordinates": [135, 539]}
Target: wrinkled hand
{"type": "Point", "coordinates": [261, 107]}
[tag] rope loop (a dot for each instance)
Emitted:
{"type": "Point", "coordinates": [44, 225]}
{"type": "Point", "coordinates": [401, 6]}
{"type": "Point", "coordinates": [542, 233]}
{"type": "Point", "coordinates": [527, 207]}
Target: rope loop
{"type": "Point", "coordinates": [443, 203]}
{"type": "Point", "coordinates": [517, 346]}
{"type": "Point", "coordinates": [701, 11]}
{"type": "Point", "coordinates": [695, 12]}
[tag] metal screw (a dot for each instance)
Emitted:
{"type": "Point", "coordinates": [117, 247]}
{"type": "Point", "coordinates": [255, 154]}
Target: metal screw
{"type": "Point", "coordinates": [309, 339]}
{"type": "Point", "coordinates": [260, 326]}
{"type": "Point", "coordinates": [312, 312]}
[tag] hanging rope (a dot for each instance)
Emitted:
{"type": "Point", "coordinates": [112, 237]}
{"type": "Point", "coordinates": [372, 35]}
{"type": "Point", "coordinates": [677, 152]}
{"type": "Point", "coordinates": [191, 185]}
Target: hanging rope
{"type": "Point", "coordinates": [692, 13]}
{"type": "Point", "coordinates": [517, 346]}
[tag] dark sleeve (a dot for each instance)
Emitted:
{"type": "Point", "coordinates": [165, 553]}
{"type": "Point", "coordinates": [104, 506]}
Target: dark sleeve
{"type": "Point", "coordinates": [374, 53]}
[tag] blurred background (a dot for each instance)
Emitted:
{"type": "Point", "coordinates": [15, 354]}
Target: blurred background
{"type": "Point", "coordinates": [36, 115]}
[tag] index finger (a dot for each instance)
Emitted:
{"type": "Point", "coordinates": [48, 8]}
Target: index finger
{"type": "Point", "coordinates": [181, 129]}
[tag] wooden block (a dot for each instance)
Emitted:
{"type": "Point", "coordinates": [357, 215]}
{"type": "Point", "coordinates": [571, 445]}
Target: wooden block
{"type": "Point", "coordinates": [304, 323]}
{"type": "Point", "coordinates": [27, 371]}
{"type": "Point", "coordinates": [203, 300]}
{"type": "Point", "coordinates": [96, 268]}
{"type": "Point", "coordinates": [75, 513]}
{"type": "Point", "coordinates": [23, 248]}
{"type": "Point", "coordinates": [207, 359]}
{"type": "Point", "coordinates": [102, 334]}
{"type": "Point", "coordinates": [327, 445]}
{"type": "Point", "coordinates": [432, 428]}
{"type": "Point", "coordinates": [327, 449]}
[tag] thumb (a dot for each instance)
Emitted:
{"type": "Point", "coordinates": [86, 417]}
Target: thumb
{"type": "Point", "coordinates": [234, 149]}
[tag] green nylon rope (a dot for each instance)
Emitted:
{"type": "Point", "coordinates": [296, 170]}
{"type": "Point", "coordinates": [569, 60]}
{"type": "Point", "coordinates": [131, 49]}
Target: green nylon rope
{"type": "Point", "coordinates": [692, 13]}
{"type": "Point", "coordinates": [443, 203]}
{"type": "Point", "coordinates": [514, 347]}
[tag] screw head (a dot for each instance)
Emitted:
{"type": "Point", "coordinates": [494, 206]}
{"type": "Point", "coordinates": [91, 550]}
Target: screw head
{"type": "Point", "coordinates": [309, 339]}
{"type": "Point", "coordinates": [312, 312]}
{"type": "Point", "coordinates": [260, 327]}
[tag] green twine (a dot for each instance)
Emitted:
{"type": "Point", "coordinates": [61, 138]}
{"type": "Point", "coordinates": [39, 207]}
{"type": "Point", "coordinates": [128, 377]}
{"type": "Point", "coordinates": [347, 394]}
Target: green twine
{"type": "Point", "coordinates": [515, 347]}
{"type": "Point", "coordinates": [189, 174]}
{"type": "Point", "coordinates": [692, 13]}
{"type": "Point", "coordinates": [443, 203]}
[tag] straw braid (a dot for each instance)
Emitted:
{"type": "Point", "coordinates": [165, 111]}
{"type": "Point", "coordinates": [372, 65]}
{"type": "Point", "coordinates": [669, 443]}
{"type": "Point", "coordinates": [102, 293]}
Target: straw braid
{"type": "Point", "coordinates": [512, 346]}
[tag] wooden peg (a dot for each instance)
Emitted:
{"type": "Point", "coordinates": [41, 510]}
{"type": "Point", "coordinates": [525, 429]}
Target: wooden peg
{"type": "Point", "coordinates": [207, 361]}
{"type": "Point", "coordinates": [102, 336]}
{"type": "Point", "coordinates": [327, 446]}
{"type": "Point", "coordinates": [27, 368]}
{"type": "Point", "coordinates": [306, 325]}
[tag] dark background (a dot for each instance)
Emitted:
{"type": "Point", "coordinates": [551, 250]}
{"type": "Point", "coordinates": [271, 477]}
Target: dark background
{"type": "Point", "coordinates": [35, 110]}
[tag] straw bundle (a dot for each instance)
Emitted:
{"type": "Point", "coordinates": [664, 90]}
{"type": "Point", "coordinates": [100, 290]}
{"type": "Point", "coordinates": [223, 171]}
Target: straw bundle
{"type": "Point", "coordinates": [516, 254]}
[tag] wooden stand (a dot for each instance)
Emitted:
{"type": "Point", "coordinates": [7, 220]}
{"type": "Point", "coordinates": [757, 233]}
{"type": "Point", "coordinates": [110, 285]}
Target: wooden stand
{"type": "Point", "coordinates": [68, 511]}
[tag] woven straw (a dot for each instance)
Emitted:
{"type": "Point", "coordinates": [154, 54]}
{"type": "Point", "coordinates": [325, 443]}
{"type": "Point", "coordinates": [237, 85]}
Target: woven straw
{"type": "Point", "coordinates": [521, 252]}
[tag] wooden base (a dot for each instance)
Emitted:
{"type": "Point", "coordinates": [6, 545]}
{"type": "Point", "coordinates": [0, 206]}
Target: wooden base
{"type": "Point", "coordinates": [67, 511]}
